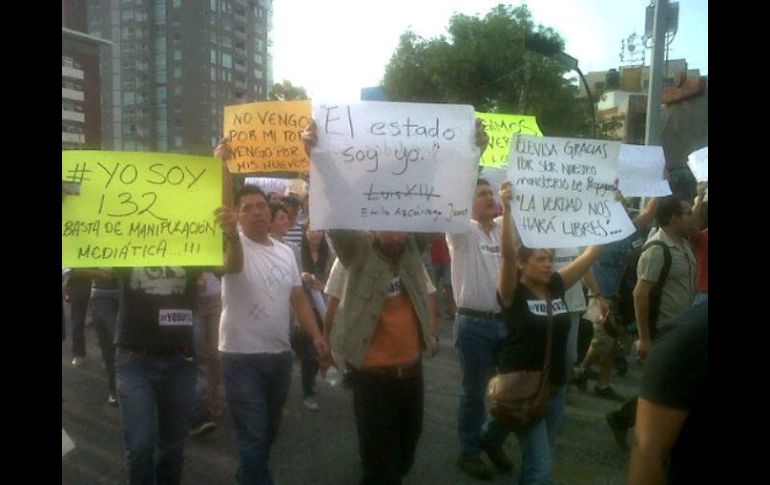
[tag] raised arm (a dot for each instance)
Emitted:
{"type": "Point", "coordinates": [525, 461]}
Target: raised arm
{"type": "Point", "coordinates": [647, 216]}
{"type": "Point", "coordinates": [506, 284]}
{"type": "Point", "coordinates": [572, 273]}
{"type": "Point", "coordinates": [227, 215]}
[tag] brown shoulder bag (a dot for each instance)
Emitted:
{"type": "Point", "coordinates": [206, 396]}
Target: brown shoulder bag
{"type": "Point", "coordinates": [519, 399]}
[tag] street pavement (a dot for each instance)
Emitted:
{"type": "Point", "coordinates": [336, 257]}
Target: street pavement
{"type": "Point", "coordinates": [321, 448]}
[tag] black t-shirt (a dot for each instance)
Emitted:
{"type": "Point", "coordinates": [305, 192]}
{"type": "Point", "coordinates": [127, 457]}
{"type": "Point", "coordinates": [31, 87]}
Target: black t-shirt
{"type": "Point", "coordinates": [156, 307]}
{"type": "Point", "coordinates": [526, 320]}
{"type": "Point", "coordinates": [676, 376]}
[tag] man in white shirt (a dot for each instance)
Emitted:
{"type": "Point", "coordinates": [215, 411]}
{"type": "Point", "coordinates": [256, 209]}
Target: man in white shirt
{"type": "Point", "coordinates": [260, 284]}
{"type": "Point", "coordinates": [478, 333]}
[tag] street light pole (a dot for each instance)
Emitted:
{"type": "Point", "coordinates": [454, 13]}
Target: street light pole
{"type": "Point", "coordinates": [549, 48]}
{"type": "Point", "coordinates": [655, 91]}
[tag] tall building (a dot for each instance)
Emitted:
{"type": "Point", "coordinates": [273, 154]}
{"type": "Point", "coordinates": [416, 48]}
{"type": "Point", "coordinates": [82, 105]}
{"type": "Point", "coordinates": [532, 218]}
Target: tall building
{"type": "Point", "coordinates": [80, 103]}
{"type": "Point", "coordinates": [175, 65]}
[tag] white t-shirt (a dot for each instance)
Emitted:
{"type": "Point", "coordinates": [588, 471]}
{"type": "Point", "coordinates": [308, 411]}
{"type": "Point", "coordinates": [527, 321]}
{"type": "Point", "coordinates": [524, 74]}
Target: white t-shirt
{"type": "Point", "coordinates": [335, 284]}
{"type": "Point", "coordinates": [256, 301]}
{"type": "Point", "coordinates": [574, 296]}
{"type": "Point", "coordinates": [476, 266]}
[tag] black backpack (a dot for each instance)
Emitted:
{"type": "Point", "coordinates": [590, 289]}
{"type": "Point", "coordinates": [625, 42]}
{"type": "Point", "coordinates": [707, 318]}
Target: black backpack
{"type": "Point", "coordinates": [625, 290]}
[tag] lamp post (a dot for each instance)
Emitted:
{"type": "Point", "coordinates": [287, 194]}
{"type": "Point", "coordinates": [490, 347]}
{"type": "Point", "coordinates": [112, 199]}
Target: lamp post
{"type": "Point", "coordinates": [549, 47]}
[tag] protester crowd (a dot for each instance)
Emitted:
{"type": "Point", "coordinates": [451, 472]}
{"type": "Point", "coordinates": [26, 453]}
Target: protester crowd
{"type": "Point", "coordinates": [184, 347]}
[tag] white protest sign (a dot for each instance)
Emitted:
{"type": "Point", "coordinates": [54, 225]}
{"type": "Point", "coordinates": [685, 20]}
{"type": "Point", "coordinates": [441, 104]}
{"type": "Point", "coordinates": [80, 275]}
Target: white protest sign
{"type": "Point", "coordinates": [268, 184]}
{"type": "Point", "coordinates": [565, 192]}
{"type": "Point", "coordinates": [393, 166]}
{"type": "Point", "coordinates": [698, 161]}
{"type": "Point", "coordinates": [641, 171]}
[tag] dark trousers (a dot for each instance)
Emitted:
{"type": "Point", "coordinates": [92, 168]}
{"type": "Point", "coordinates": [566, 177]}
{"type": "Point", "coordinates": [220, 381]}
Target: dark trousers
{"type": "Point", "coordinates": [104, 312]}
{"type": "Point", "coordinates": [79, 296]}
{"type": "Point", "coordinates": [388, 414]}
{"type": "Point", "coordinates": [308, 358]}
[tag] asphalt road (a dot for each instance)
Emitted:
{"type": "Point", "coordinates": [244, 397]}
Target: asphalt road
{"type": "Point", "coordinates": [320, 448]}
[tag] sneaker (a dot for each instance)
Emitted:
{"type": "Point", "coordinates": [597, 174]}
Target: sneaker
{"type": "Point", "coordinates": [78, 361]}
{"type": "Point", "coordinates": [497, 456]}
{"type": "Point", "coordinates": [579, 379]}
{"type": "Point", "coordinates": [621, 365]}
{"type": "Point", "coordinates": [202, 426]}
{"type": "Point", "coordinates": [619, 431]}
{"type": "Point", "coordinates": [608, 392]}
{"type": "Point", "coordinates": [476, 467]}
{"type": "Point", "coordinates": [112, 401]}
{"type": "Point", "coordinates": [310, 403]}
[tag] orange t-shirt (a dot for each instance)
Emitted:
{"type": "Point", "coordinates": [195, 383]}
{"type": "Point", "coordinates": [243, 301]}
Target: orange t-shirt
{"type": "Point", "coordinates": [396, 339]}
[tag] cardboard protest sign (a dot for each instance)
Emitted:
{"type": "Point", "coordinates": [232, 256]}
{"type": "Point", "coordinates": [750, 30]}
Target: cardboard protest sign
{"type": "Point", "coordinates": [501, 128]}
{"type": "Point", "coordinates": [393, 166]}
{"type": "Point", "coordinates": [698, 161]}
{"type": "Point", "coordinates": [641, 171]}
{"type": "Point", "coordinates": [267, 136]}
{"type": "Point", "coordinates": [141, 209]}
{"type": "Point", "coordinates": [565, 192]}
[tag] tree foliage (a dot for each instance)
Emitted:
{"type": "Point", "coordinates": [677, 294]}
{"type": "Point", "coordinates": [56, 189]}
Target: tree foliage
{"type": "Point", "coordinates": [285, 91]}
{"type": "Point", "coordinates": [483, 62]}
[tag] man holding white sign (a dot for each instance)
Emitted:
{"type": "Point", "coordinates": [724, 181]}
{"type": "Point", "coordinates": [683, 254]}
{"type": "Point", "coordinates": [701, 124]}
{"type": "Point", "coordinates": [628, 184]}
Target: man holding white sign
{"type": "Point", "coordinates": [393, 166]}
{"type": "Point", "coordinates": [383, 323]}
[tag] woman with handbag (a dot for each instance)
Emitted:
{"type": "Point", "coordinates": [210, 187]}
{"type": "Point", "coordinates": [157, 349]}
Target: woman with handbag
{"type": "Point", "coordinates": [528, 395]}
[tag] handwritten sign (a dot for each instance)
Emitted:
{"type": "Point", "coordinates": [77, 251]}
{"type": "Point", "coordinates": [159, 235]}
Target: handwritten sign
{"type": "Point", "coordinates": [267, 137]}
{"type": "Point", "coordinates": [141, 209]}
{"type": "Point", "coordinates": [393, 166]}
{"type": "Point", "coordinates": [698, 161]}
{"type": "Point", "coordinates": [501, 128]}
{"type": "Point", "coordinates": [565, 192]}
{"type": "Point", "coordinates": [641, 171]}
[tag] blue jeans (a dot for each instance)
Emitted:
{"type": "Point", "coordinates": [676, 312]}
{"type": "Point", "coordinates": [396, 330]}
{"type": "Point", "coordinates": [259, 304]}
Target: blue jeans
{"type": "Point", "coordinates": [700, 297]}
{"type": "Point", "coordinates": [256, 387]}
{"type": "Point", "coordinates": [537, 442]}
{"type": "Point", "coordinates": [478, 342]}
{"type": "Point", "coordinates": [155, 396]}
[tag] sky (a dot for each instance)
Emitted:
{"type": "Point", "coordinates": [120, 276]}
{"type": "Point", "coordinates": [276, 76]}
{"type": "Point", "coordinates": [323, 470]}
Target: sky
{"type": "Point", "coordinates": [333, 48]}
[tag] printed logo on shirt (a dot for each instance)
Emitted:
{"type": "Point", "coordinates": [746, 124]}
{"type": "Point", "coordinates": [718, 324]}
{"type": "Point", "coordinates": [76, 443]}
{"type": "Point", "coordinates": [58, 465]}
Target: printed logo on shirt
{"type": "Point", "coordinates": [159, 280]}
{"type": "Point", "coordinates": [394, 288]}
{"type": "Point", "coordinates": [537, 307]}
{"type": "Point", "coordinates": [175, 318]}
{"type": "Point", "coordinates": [490, 250]}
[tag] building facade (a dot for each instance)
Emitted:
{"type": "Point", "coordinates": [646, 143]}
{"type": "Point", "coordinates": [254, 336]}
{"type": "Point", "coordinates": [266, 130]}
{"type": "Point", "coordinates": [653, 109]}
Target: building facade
{"type": "Point", "coordinates": [80, 83]}
{"type": "Point", "coordinates": [175, 65]}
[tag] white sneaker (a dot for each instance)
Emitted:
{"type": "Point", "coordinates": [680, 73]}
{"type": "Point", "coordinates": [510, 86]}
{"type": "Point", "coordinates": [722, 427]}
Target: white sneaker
{"type": "Point", "coordinates": [310, 403]}
{"type": "Point", "coordinates": [77, 362]}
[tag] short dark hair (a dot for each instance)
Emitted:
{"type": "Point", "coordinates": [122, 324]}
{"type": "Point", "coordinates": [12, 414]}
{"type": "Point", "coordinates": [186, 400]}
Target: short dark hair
{"type": "Point", "coordinates": [481, 181]}
{"type": "Point", "coordinates": [668, 207]}
{"type": "Point", "coordinates": [292, 201]}
{"type": "Point", "coordinates": [275, 207]}
{"type": "Point", "coordinates": [249, 190]}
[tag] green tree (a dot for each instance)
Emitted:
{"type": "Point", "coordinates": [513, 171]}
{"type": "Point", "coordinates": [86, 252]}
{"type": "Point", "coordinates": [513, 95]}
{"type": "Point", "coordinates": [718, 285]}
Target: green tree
{"type": "Point", "coordinates": [285, 91]}
{"type": "Point", "coordinates": [483, 62]}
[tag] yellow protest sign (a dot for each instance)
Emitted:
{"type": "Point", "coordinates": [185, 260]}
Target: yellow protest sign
{"type": "Point", "coordinates": [140, 209]}
{"type": "Point", "coordinates": [501, 128]}
{"type": "Point", "coordinates": [267, 136]}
